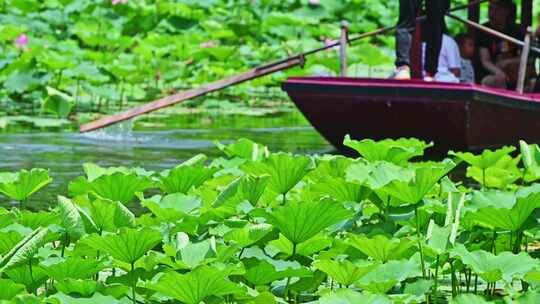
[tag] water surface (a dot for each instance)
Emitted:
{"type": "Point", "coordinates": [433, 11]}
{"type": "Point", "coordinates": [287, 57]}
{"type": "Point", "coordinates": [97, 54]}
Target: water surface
{"type": "Point", "coordinates": [64, 153]}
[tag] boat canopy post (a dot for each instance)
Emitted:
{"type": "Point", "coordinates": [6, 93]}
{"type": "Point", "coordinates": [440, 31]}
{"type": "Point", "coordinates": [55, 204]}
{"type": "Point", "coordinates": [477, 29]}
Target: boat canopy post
{"type": "Point", "coordinates": [343, 41]}
{"type": "Point", "coordinates": [524, 61]}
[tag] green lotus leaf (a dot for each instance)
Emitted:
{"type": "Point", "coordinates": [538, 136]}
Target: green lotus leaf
{"type": "Point", "coordinates": [25, 184]}
{"type": "Point", "coordinates": [285, 170]}
{"type": "Point", "coordinates": [505, 217]}
{"type": "Point", "coordinates": [70, 218]}
{"type": "Point", "coordinates": [500, 175]}
{"type": "Point", "coordinates": [426, 175]}
{"type": "Point", "coordinates": [529, 297]}
{"type": "Point", "coordinates": [116, 187]}
{"type": "Point", "coordinates": [349, 296]}
{"type": "Point", "coordinates": [128, 245]}
{"type": "Point", "coordinates": [173, 207]}
{"type": "Point", "coordinates": [300, 221]}
{"type": "Point", "coordinates": [21, 274]}
{"type": "Point", "coordinates": [182, 178]}
{"type": "Point", "coordinates": [385, 276]}
{"type": "Point", "coordinates": [60, 297]}
{"type": "Point", "coordinates": [381, 248]}
{"type": "Point", "coordinates": [262, 272]}
{"type": "Point", "coordinates": [344, 272]}
{"type": "Point", "coordinates": [38, 219]}
{"type": "Point", "coordinates": [245, 149]}
{"type": "Point", "coordinates": [491, 268]}
{"type": "Point", "coordinates": [468, 298]}
{"type": "Point", "coordinates": [252, 187]}
{"type": "Point", "coordinates": [8, 239]}
{"type": "Point", "coordinates": [94, 171]}
{"type": "Point", "coordinates": [10, 289]}
{"type": "Point", "coordinates": [394, 151]}
{"type": "Point", "coordinates": [248, 235]}
{"type": "Point", "coordinates": [195, 286]}
{"type": "Point", "coordinates": [57, 103]}
{"type": "Point", "coordinates": [330, 166]}
{"type": "Point", "coordinates": [82, 288]}
{"type": "Point", "coordinates": [341, 190]}
{"type": "Point", "coordinates": [530, 156]}
{"type": "Point", "coordinates": [485, 160]}
{"type": "Point", "coordinates": [189, 255]}
{"type": "Point", "coordinates": [71, 267]}
{"type": "Point", "coordinates": [438, 238]}
{"type": "Point", "coordinates": [307, 248]}
{"type": "Point", "coordinates": [25, 250]}
{"type": "Point", "coordinates": [377, 175]}
{"type": "Point", "coordinates": [104, 215]}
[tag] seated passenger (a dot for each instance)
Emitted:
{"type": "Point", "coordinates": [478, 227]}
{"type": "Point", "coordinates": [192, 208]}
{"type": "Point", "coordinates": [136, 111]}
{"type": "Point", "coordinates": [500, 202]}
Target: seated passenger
{"type": "Point", "coordinates": [449, 66]}
{"type": "Point", "coordinates": [466, 49]}
{"type": "Point", "coordinates": [498, 59]}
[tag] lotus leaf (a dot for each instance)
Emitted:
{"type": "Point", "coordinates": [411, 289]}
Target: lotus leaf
{"type": "Point", "coordinates": [116, 187]}
{"type": "Point", "coordinates": [25, 184]}
{"type": "Point", "coordinates": [344, 272]}
{"type": "Point", "coordinates": [182, 178]}
{"type": "Point", "coordinates": [128, 245]}
{"type": "Point", "coordinates": [300, 221]}
{"type": "Point", "coordinates": [491, 268]}
{"type": "Point", "coordinates": [394, 151]}
{"type": "Point", "coordinates": [25, 250]}
{"type": "Point", "coordinates": [381, 248]}
{"type": "Point", "coordinates": [261, 272]}
{"type": "Point", "coordinates": [348, 296]}
{"type": "Point", "coordinates": [384, 277]}
{"type": "Point", "coordinates": [285, 170]}
{"type": "Point", "coordinates": [196, 286]}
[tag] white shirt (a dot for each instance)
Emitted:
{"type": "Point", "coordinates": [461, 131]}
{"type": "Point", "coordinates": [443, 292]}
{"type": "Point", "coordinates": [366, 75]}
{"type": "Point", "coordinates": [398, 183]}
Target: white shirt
{"type": "Point", "coordinates": [449, 58]}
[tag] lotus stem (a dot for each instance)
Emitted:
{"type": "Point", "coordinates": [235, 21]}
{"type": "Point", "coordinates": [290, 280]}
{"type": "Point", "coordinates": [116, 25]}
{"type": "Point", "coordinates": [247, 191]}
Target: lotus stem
{"type": "Point", "coordinates": [31, 274]}
{"type": "Point", "coordinates": [286, 291]}
{"type": "Point", "coordinates": [436, 274]}
{"type": "Point", "coordinates": [134, 284]}
{"type": "Point", "coordinates": [475, 283]}
{"type": "Point", "coordinates": [468, 278]}
{"type": "Point", "coordinates": [453, 279]}
{"type": "Point", "coordinates": [420, 243]}
{"type": "Point", "coordinates": [493, 250]}
{"type": "Point", "coordinates": [483, 178]}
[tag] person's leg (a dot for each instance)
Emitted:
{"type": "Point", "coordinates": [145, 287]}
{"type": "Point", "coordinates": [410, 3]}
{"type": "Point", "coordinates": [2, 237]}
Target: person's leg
{"type": "Point", "coordinates": [405, 28]}
{"type": "Point", "coordinates": [435, 10]}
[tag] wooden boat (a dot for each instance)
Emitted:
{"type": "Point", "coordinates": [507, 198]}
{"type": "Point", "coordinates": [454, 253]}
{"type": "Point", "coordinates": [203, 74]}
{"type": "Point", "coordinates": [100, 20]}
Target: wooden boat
{"type": "Point", "coordinates": [453, 116]}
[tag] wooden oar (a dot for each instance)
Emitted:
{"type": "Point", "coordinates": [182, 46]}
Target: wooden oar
{"type": "Point", "coordinates": [234, 80]}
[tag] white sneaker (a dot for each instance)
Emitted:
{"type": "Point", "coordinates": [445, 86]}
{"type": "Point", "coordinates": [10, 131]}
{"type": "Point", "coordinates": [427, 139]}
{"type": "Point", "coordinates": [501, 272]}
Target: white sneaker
{"type": "Point", "coordinates": [401, 73]}
{"type": "Point", "coordinates": [429, 79]}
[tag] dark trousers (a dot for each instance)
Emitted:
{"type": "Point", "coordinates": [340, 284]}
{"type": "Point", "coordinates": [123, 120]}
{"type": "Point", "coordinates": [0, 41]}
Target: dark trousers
{"type": "Point", "coordinates": [406, 25]}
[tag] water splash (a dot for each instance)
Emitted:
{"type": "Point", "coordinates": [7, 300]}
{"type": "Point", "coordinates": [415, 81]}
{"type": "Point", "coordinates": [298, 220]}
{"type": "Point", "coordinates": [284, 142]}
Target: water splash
{"type": "Point", "coordinates": [118, 132]}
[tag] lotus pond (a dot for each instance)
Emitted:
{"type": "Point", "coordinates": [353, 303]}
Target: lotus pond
{"type": "Point", "coordinates": [255, 226]}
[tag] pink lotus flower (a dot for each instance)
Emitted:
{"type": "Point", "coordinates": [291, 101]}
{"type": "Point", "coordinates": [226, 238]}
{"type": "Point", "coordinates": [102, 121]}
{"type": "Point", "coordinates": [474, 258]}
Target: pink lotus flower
{"type": "Point", "coordinates": [115, 2]}
{"type": "Point", "coordinates": [21, 41]}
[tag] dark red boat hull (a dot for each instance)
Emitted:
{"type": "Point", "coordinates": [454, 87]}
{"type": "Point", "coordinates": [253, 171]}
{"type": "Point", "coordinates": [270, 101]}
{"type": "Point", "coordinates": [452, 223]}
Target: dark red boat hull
{"type": "Point", "coordinates": [453, 116]}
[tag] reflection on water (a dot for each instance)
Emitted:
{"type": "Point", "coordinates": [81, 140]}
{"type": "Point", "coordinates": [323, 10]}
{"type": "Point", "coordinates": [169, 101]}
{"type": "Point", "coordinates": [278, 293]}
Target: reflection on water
{"type": "Point", "coordinates": [64, 153]}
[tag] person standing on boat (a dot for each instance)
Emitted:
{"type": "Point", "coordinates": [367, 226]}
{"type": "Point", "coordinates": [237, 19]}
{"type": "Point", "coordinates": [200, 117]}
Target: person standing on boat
{"type": "Point", "coordinates": [406, 25]}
